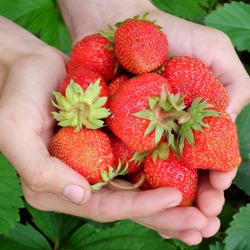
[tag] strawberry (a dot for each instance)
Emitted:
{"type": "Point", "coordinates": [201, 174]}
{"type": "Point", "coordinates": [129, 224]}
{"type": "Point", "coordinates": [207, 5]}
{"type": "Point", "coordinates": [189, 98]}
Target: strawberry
{"type": "Point", "coordinates": [83, 77]}
{"type": "Point", "coordinates": [214, 145]}
{"type": "Point", "coordinates": [174, 173]}
{"type": "Point", "coordinates": [81, 103]}
{"type": "Point", "coordinates": [140, 45]}
{"type": "Point", "coordinates": [192, 78]}
{"type": "Point", "coordinates": [124, 155]}
{"type": "Point", "coordinates": [96, 53]}
{"type": "Point", "coordinates": [115, 84]}
{"type": "Point", "coordinates": [136, 112]}
{"type": "Point", "coordinates": [88, 152]}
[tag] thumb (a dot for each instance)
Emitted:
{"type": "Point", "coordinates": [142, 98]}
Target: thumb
{"type": "Point", "coordinates": [42, 173]}
{"type": "Point", "coordinates": [239, 96]}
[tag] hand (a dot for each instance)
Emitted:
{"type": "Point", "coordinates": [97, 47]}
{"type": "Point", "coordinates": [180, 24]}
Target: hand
{"type": "Point", "coordinates": [29, 74]}
{"type": "Point", "coordinates": [185, 38]}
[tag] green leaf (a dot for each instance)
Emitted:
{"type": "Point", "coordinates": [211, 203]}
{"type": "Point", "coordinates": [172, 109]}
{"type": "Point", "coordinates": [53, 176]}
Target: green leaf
{"type": "Point", "coordinates": [188, 9]}
{"type": "Point", "coordinates": [233, 19]}
{"type": "Point", "coordinates": [24, 237]}
{"type": "Point", "coordinates": [124, 235]}
{"type": "Point", "coordinates": [55, 226]}
{"type": "Point", "coordinates": [40, 17]}
{"type": "Point", "coordinates": [238, 237]}
{"type": "Point", "coordinates": [10, 196]}
{"type": "Point", "coordinates": [217, 246]}
{"type": "Point", "coordinates": [182, 246]}
{"type": "Point", "coordinates": [242, 179]}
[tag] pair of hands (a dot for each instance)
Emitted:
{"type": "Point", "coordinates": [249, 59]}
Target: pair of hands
{"type": "Point", "coordinates": [30, 70]}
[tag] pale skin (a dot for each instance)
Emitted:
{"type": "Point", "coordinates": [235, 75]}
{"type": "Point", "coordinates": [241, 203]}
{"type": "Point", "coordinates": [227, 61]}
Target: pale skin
{"type": "Point", "coordinates": [30, 70]}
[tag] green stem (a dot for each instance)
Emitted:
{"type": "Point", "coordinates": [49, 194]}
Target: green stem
{"type": "Point", "coordinates": [166, 116]}
{"type": "Point", "coordinates": [131, 187]}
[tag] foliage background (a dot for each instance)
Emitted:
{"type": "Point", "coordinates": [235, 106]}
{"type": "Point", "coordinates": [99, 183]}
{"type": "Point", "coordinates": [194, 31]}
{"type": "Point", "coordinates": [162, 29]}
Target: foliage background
{"type": "Point", "coordinates": [23, 227]}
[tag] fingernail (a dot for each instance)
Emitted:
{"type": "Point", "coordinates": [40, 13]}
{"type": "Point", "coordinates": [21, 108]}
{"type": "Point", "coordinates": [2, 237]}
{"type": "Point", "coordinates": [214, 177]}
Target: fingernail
{"type": "Point", "coordinates": [74, 193]}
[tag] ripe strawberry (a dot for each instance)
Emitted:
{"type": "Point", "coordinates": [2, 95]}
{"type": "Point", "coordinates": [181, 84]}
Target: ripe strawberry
{"type": "Point", "coordinates": [192, 78]}
{"type": "Point", "coordinates": [215, 146]}
{"type": "Point", "coordinates": [115, 84]}
{"type": "Point", "coordinates": [174, 173]}
{"type": "Point", "coordinates": [96, 53]}
{"type": "Point", "coordinates": [81, 103]}
{"type": "Point", "coordinates": [88, 152]}
{"type": "Point", "coordinates": [83, 77]}
{"type": "Point", "coordinates": [124, 155]}
{"type": "Point", "coordinates": [140, 45]}
{"type": "Point", "coordinates": [136, 112]}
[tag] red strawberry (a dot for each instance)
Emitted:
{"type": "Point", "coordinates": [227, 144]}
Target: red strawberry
{"type": "Point", "coordinates": [96, 53]}
{"type": "Point", "coordinates": [115, 85]}
{"type": "Point", "coordinates": [140, 45]}
{"type": "Point", "coordinates": [83, 77]}
{"type": "Point", "coordinates": [174, 173]}
{"type": "Point", "coordinates": [135, 117]}
{"type": "Point", "coordinates": [215, 146]}
{"type": "Point", "coordinates": [88, 152]}
{"type": "Point", "coordinates": [192, 78]}
{"type": "Point", "coordinates": [81, 103]}
{"type": "Point", "coordinates": [124, 155]}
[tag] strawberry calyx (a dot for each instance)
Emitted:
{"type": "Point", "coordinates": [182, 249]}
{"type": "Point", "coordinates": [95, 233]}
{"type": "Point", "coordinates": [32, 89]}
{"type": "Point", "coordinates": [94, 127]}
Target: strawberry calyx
{"type": "Point", "coordinates": [139, 157]}
{"type": "Point", "coordinates": [80, 108]}
{"type": "Point", "coordinates": [198, 110]}
{"type": "Point", "coordinates": [109, 175]}
{"type": "Point", "coordinates": [164, 113]}
{"type": "Point", "coordinates": [162, 151]}
{"type": "Point", "coordinates": [138, 18]}
{"type": "Point", "coordinates": [109, 34]}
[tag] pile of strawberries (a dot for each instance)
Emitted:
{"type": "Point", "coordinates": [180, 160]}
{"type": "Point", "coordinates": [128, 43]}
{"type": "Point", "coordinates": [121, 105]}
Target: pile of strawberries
{"type": "Point", "coordinates": [126, 108]}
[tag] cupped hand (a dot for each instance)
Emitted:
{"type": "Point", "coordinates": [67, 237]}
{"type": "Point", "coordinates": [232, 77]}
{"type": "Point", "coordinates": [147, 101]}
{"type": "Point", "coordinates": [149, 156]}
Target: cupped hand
{"type": "Point", "coordinates": [212, 47]}
{"type": "Point", "coordinates": [50, 185]}
{"type": "Point", "coordinates": [30, 74]}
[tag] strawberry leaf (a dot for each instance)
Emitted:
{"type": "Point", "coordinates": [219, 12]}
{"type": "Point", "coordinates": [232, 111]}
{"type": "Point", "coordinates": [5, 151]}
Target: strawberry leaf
{"type": "Point", "coordinates": [55, 226]}
{"type": "Point", "coordinates": [132, 236]}
{"type": "Point", "coordinates": [217, 246]}
{"type": "Point", "coordinates": [10, 196]}
{"type": "Point", "coordinates": [24, 237]}
{"type": "Point", "coordinates": [238, 233]}
{"type": "Point", "coordinates": [233, 19]}
{"type": "Point", "coordinates": [40, 17]}
{"type": "Point", "coordinates": [242, 179]}
{"type": "Point", "coordinates": [191, 9]}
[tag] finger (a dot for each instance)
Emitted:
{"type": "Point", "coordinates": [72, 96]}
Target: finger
{"type": "Point", "coordinates": [222, 180]}
{"type": "Point", "coordinates": [107, 205]}
{"type": "Point", "coordinates": [212, 227]}
{"type": "Point", "coordinates": [189, 237]}
{"type": "Point", "coordinates": [40, 172]}
{"type": "Point", "coordinates": [239, 97]}
{"type": "Point", "coordinates": [209, 200]}
{"type": "Point", "coordinates": [176, 219]}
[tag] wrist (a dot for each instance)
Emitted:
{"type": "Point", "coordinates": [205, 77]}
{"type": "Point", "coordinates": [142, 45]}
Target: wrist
{"type": "Point", "coordinates": [89, 16]}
